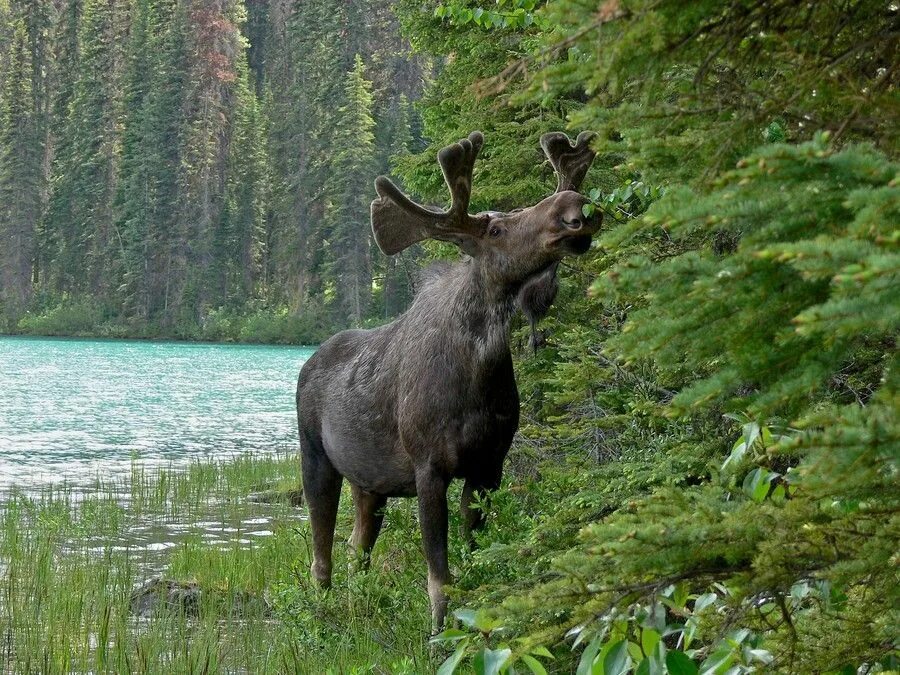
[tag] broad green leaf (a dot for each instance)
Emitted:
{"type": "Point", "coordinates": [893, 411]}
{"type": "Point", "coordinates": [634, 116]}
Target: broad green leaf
{"type": "Point", "coordinates": [534, 665]}
{"type": "Point", "coordinates": [542, 651]}
{"type": "Point", "coordinates": [756, 483]}
{"type": "Point", "coordinates": [679, 663]}
{"type": "Point", "coordinates": [717, 662]}
{"type": "Point", "coordinates": [649, 639]}
{"type": "Point", "coordinates": [490, 661]}
{"type": "Point", "coordinates": [690, 630]}
{"type": "Point", "coordinates": [634, 651]}
{"type": "Point", "coordinates": [617, 661]}
{"type": "Point", "coordinates": [704, 601]}
{"type": "Point", "coordinates": [761, 655]}
{"type": "Point", "coordinates": [485, 623]}
{"type": "Point", "coordinates": [738, 636]}
{"type": "Point", "coordinates": [449, 666]}
{"type": "Point", "coordinates": [738, 450]}
{"type": "Point", "coordinates": [467, 616]}
{"type": "Point", "coordinates": [450, 635]}
{"type": "Point", "coordinates": [751, 434]}
{"type": "Point", "coordinates": [586, 661]}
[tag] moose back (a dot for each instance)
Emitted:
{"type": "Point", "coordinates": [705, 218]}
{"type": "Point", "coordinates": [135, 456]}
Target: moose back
{"type": "Point", "coordinates": [403, 409]}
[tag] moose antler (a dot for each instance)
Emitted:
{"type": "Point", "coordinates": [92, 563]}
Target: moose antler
{"type": "Point", "coordinates": [570, 161]}
{"type": "Point", "coordinates": [398, 222]}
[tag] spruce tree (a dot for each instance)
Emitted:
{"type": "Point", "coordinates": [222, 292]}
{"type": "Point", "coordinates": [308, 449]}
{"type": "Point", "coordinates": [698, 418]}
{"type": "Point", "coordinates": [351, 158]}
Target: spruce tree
{"type": "Point", "coordinates": [239, 246]}
{"type": "Point", "coordinates": [91, 253]}
{"type": "Point", "coordinates": [348, 196]}
{"type": "Point", "coordinates": [213, 41]}
{"type": "Point", "coordinates": [728, 393]}
{"type": "Point", "coordinates": [149, 178]}
{"type": "Point", "coordinates": [395, 141]}
{"type": "Point", "coordinates": [18, 178]}
{"type": "Point", "coordinates": [23, 130]}
{"type": "Point", "coordinates": [302, 137]}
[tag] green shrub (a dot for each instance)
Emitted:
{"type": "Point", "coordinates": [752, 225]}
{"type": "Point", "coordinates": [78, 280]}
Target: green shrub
{"type": "Point", "coordinates": [70, 317]}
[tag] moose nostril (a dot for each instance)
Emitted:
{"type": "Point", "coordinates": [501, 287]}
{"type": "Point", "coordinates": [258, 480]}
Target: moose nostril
{"type": "Point", "coordinates": [574, 224]}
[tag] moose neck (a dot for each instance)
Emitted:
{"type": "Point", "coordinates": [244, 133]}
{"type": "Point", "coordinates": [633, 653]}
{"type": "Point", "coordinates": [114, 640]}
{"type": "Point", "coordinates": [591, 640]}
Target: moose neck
{"type": "Point", "coordinates": [463, 308]}
{"type": "Point", "coordinates": [484, 303]}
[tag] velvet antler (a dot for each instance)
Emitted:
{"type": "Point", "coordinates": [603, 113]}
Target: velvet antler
{"type": "Point", "coordinates": [570, 161]}
{"type": "Point", "coordinates": [398, 222]}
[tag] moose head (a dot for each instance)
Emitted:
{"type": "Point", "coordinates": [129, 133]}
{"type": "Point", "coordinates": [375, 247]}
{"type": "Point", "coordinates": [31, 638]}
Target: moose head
{"type": "Point", "coordinates": [510, 247]}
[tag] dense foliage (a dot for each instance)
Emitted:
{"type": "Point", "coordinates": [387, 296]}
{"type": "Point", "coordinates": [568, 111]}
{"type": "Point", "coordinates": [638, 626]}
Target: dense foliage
{"type": "Point", "coordinates": [734, 368]}
{"type": "Point", "coordinates": [187, 167]}
{"type": "Point", "coordinates": [707, 475]}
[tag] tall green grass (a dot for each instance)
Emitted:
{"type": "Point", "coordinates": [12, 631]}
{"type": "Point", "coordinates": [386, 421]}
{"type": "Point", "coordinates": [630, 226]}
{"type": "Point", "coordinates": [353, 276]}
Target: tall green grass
{"type": "Point", "coordinates": [71, 557]}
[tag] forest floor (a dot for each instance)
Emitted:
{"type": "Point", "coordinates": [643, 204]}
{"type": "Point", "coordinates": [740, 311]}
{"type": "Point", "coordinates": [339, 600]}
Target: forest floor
{"type": "Point", "coordinates": [202, 569]}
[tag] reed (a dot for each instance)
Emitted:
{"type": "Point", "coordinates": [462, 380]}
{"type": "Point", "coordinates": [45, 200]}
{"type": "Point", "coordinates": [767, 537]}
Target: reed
{"type": "Point", "coordinates": [71, 556]}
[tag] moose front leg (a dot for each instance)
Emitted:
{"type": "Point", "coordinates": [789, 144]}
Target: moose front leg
{"type": "Point", "coordinates": [431, 488]}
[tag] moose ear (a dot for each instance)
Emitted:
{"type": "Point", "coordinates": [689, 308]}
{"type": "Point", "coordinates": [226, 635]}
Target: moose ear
{"type": "Point", "coordinates": [570, 161]}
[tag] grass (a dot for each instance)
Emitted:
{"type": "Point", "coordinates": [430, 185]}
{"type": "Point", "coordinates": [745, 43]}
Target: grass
{"type": "Point", "coordinates": [69, 560]}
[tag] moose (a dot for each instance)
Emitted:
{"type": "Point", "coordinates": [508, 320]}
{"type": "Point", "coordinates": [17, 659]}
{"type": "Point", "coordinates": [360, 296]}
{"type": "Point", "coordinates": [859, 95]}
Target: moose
{"type": "Point", "coordinates": [403, 409]}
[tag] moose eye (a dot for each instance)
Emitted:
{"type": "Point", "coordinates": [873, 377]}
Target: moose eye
{"type": "Point", "coordinates": [495, 231]}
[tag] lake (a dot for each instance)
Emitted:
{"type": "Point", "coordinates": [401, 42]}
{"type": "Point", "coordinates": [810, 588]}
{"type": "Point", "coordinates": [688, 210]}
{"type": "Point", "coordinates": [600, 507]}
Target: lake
{"type": "Point", "coordinates": [77, 409]}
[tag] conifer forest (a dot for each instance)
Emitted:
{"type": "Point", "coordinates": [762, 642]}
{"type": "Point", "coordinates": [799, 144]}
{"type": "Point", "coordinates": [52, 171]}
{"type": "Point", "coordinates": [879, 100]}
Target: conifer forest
{"type": "Point", "coordinates": [706, 473]}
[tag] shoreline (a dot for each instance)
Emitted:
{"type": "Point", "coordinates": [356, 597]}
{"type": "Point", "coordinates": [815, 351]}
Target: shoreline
{"type": "Point", "coordinates": [154, 339]}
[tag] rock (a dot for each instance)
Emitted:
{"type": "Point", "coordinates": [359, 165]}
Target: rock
{"type": "Point", "coordinates": [292, 497]}
{"type": "Point", "coordinates": [159, 594]}
{"type": "Point", "coordinates": [167, 595]}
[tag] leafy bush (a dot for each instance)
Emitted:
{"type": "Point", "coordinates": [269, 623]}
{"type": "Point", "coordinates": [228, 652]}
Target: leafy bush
{"type": "Point", "coordinates": [69, 317]}
{"type": "Point", "coordinates": [282, 327]}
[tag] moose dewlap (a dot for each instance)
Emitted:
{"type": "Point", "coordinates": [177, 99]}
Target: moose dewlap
{"type": "Point", "coordinates": [403, 409]}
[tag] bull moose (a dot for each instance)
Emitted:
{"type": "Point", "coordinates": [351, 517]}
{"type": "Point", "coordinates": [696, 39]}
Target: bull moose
{"type": "Point", "coordinates": [403, 409]}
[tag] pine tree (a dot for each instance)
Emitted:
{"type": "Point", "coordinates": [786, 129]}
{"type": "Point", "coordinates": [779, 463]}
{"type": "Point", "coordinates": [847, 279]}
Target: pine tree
{"type": "Point", "coordinates": [395, 142]}
{"type": "Point", "coordinates": [55, 239]}
{"type": "Point", "coordinates": [91, 253]}
{"type": "Point", "coordinates": [348, 196]}
{"type": "Point", "coordinates": [148, 183]}
{"type": "Point", "coordinates": [165, 190]}
{"type": "Point", "coordinates": [239, 245]}
{"type": "Point", "coordinates": [22, 152]}
{"type": "Point", "coordinates": [214, 42]}
{"type": "Point", "coordinates": [302, 136]}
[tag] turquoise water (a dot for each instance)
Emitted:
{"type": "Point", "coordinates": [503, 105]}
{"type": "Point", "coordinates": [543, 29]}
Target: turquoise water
{"type": "Point", "coordinates": [75, 410]}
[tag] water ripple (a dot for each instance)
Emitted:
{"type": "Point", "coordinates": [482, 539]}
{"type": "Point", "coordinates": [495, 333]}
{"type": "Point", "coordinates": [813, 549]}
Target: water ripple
{"type": "Point", "coordinates": [73, 409]}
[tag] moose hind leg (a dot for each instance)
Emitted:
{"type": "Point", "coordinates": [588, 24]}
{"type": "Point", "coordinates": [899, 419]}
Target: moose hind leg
{"type": "Point", "coordinates": [322, 491]}
{"type": "Point", "coordinates": [431, 488]}
{"type": "Point", "coordinates": [367, 525]}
